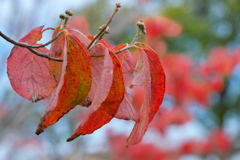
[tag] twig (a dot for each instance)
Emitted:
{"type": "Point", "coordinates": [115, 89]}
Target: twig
{"type": "Point", "coordinates": [100, 34]}
{"type": "Point", "coordinates": [140, 31]}
{"type": "Point", "coordinates": [28, 45]}
{"type": "Point", "coordinates": [104, 29]}
{"type": "Point", "coordinates": [31, 47]}
{"type": "Point", "coordinates": [44, 55]}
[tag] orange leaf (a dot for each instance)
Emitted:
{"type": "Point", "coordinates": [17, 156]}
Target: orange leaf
{"type": "Point", "coordinates": [29, 74]}
{"type": "Point", "coordinates": [57, 48]}
{"type": "Point", "coordinates": [154, 88]}
{"type": "Point", "coordinates": [107, 99]}
{"type": "Point", "coordinates": [74, 85]}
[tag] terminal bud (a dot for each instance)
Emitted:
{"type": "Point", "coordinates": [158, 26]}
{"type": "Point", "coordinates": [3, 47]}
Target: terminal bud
{"type": "Point", "coordinates": [69, 12]}
{"type": "Point", "coordinates": [141, 26]}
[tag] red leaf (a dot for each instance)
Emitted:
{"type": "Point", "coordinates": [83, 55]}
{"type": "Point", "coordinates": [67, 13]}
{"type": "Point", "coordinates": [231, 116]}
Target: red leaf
{"type": "Point", "coordinates": [79, 35]}
{"type": "Point", "coordinates": [33, 36]}
{"type": "Point", "coordinates": [125, 58]}
{"type": "Point", "coordinates": [79, 22]}
{"type": "Point", "coordinates": [74, 85]}
{"type": "Point", "coordinates": [29, 74]}
{"type": "Point", "coordinates": [126, 110]}
{"type": "Point", "coordinates": [154, 88]}
{"type": "Point", "coordinates": [97, 69]}
{"type": "Point", "coordinates": [107, 99]}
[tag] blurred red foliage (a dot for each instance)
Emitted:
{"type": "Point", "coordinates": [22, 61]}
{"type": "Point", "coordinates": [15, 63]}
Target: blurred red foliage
{"type": "Point", "coordinates": [218, 141]}
{"type": "Point", "coordinates": [29, 142]}
{"type": "Point", "coordinates": [79, 22]}
{"type": "Point", "coordinates": [141, 151]}
{"type": "Point", "coordinates": [167, 117]}
{"type": "Point", "coordinates": [157, 28]}
{"type": "Point", "coordinates": [3, 111]}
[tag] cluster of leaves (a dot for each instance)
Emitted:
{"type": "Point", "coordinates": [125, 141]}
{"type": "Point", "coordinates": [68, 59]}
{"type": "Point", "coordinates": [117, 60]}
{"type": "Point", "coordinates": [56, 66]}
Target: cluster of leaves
{"type": "Point", "coordinates": [92, 78]}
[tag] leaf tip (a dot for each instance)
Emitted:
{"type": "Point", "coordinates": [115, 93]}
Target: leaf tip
{"type": "Point", "coordinates": [72, 138]}
{"type": "Point", "coordinates": [36, 97]}
{"type": "Point", "coordinates": [39, 130]}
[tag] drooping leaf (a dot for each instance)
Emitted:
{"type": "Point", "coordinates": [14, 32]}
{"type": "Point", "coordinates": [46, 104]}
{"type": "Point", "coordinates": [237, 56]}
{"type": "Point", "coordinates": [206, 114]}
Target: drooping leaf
{"type": "Point", "coordinates": [138, 75]}
{"type": "Point", "coordinates": [74, 84]}
{"type": "Point", "coordinates": [57, 46]}
{"type": "Point", "coordinates": [29, 74]}
{"type": "Point", "coordinates": [126, 110]}
{"type": "Point", "coordinates": [97, 69]}
{"type": "Point", "coordinates": [157, 79]}
{"type": "Point", "coordinates": [154, 88]}
{"type": "Point", "coordinates": [125, 58]}
{"type": "Point", "coordinates": [107, 99]}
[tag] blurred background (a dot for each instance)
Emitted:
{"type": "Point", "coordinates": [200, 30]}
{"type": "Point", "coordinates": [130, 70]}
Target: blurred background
{"type": "Point", "coordinates": [198, 43]}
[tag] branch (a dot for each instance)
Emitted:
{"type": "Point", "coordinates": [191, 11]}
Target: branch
{"type": "Point", "coordinates": [28, 45]}
{"type": "Point", "coordinates": [44, 55]}
{"type": "Point", "coordinates": [103, 30]}
{"type": "Point", "coordinates": [104, 27]}
{"type": "Point", "coordinates": [31, 47]}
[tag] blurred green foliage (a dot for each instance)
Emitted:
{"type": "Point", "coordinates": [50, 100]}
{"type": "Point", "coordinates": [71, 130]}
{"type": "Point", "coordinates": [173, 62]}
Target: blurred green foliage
{"type": "Point", "coordinates": [206, 23]}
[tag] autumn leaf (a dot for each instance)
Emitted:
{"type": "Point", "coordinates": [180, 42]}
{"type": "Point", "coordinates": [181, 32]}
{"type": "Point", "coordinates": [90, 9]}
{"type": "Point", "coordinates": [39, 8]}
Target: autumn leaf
{"type": "Point", "coordinates": [79, 22]}
{"type": "Point", "coordinates": [33, 36]}
{"type": "Point", "coordinates": [29, 74]}
{"type": "Point", "coordinates": [57, 46]}
{"type": "Point", "coordinates": [126, 110]}
{"type": "Point", "coordinates": [125, 58]}
{"type": "Point", "coordinates": [107, 99]}
{"type": "Point", "coordinates": [154, 87]}
{"type": "Point", "coordinates": [97, 64]}
{"type": "Point", "coordinates": [74, 84]}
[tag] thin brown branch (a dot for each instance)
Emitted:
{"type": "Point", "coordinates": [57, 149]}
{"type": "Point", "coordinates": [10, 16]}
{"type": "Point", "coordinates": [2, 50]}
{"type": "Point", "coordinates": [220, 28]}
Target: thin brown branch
{"type": "Point", "coordinates": [28, 45]}
{"type": "Point", "coordinates": [44, 55]}
{"type": "Point", "coordinates": [49, 42]}
{"type": "Point", "coordinates": [100, 34]}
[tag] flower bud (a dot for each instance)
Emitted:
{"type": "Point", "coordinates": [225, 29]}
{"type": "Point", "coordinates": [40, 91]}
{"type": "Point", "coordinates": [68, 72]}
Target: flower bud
{"type": "Point", "coordinates": [62, 16]}
{"type": "Point", "coordinates": [107, 30]}
{"type": "Point", "coordinates": [69, 12]}
{"type": "Point", "coordinates": [118, 5]}
{"type": "Point", "coordinates": [141, 26]}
